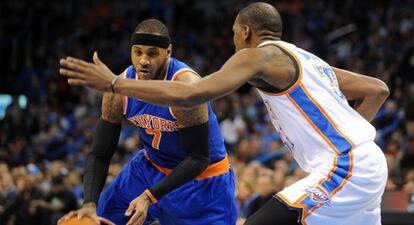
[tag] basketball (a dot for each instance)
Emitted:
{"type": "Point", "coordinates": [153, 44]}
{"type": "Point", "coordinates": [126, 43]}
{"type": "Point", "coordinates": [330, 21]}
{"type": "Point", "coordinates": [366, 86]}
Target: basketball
{"type": "Point", "coordinates": [75, 221]}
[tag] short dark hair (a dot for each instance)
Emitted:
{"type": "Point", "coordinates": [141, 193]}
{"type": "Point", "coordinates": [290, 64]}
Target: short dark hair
{"type": "Point", "coordinates": [152, 26]}
{"type": "Point", "coordinates": [262, 16]}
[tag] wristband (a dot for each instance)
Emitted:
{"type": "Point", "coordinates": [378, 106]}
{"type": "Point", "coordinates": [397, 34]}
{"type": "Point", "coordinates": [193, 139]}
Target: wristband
{"type": "Point", "coordinates": [150, 196]}
{"type": "Point", "coordinates": [113, 82]}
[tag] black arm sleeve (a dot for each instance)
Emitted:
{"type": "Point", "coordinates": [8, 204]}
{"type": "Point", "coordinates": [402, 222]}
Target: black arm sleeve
{"type": "Point", "coordinates": [104, 143]}
{"type": "Point", "coordinates": [195, 142]}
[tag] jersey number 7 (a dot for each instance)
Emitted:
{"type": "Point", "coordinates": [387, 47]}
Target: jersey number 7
{"type": "Point", "coordinates": [157, 137]}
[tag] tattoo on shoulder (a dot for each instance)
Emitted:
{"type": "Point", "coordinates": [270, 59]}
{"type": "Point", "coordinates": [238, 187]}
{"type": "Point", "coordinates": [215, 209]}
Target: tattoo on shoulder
{"type": "Point", "coordinates": [191, 117]}
{"type": "Point", "coordinates": [194, 116]}
{"type": "Point", "coordinates": [112, 108]}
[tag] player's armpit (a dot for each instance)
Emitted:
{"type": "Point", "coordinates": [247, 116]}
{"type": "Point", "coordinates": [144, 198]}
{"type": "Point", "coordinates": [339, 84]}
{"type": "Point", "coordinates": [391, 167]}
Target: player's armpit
{"type": "Point", "coordinates": [112, 108]}
{"type": "Point", "coordinates": [187, 117]}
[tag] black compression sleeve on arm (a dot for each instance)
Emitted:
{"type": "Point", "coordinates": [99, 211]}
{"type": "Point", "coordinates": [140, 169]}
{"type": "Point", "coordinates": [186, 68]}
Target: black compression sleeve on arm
{"type": "Point", "coordinates": [195, 142]}
{"type": "Point", "coordinates": [104, 144]}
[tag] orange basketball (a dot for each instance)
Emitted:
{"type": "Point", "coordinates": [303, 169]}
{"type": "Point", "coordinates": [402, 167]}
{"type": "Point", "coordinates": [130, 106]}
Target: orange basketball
{"type": "Point", "coordinates": [75, 221]}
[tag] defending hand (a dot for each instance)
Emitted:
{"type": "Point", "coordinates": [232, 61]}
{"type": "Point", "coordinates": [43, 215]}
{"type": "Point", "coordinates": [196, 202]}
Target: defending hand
{"type": "Point", "coordinates": [95, 75]}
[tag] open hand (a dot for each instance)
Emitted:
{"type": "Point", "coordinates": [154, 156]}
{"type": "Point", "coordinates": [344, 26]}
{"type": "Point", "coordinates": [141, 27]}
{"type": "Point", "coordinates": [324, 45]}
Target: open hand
{"type": "Point", "coordinates": [95, 75]}
{"type": "Point", "coordinates": [140, 206]}
{"type": "Point", "coordinates": [88, 210]}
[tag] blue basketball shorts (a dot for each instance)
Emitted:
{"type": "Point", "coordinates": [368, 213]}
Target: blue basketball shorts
{"type": "Point", "coordinates": [209, 201]}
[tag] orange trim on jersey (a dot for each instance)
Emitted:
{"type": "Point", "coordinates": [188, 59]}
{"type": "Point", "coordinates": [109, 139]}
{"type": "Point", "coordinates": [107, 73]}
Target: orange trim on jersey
{"type": "Point", "coordinates": [296, 205]}
{"type": "Point", "coordinates": [314, 126]}
{"type": "Point", "coordinates": [297, 82]}
{"type": "Point", "coordinates": [330, 174]}
{"type": "Point", "coordinates": [216, 169]}
{"type": "Point", "coordinates": [124, 97]}
{"type": "Point", "coordinates": [320, 183]}
{"type": "Point", "coordinates": [150, 196]}
{"type": "Point", "coordinates": [326, 115]}
{"type": "Point", "coordinates": [330, 177]}
{"type": "Point", "coordinates": [181, 71]}
{"type": "Point", "coordinates": [172, 113]}
{"type": "Point", "coordinates": [347, 177]}
{"type": "Point", "coordinates": [175, 76]}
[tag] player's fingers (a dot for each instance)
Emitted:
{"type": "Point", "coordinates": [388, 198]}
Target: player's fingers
{"type": "Point", "coordinates": [92, 217]}
{"type": "Point", "coordinates": [141, 219]}
{"type": "Point", "coordinates": [72, 65]}
{"type": "Point", "coordinates": [78, 61]}
{"type": "Point", "coordinates": [96, 59]}
{"type": "Point", "coordinates": [61, 219]}
{"type": "Point", "coordinates": [131, 207]}
{"type": "Point", "coordinates": [76, 82]}
{"type": "Point", "coordinates": [134, 219]}
{"type": "Point", "coordinates": [81, 213]}
{"type": "Point", "coordinates": [65, 217]}
{"type": "Point", "coordinates": [70, 73]}
{"type": "Point", "coordinates": [69, 215]}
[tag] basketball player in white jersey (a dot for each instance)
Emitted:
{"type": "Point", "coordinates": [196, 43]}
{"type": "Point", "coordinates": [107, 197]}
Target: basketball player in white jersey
{"type": "Point", "coordinates": [307, 101]}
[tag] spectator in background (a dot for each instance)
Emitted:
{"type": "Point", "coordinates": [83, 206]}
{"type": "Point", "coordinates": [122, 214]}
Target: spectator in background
{"type": "Point", "coordinates": [409, 103]}
{"type": "Point", "coordinates": [8, 198]}
{"type": "Point", "coordinates": [74, 184]}
{"type": "Point", "coordinates": [59, 202]}
{"type": "Point", "coordinates": [407, 161]}
{"type": "Point", "coordinates": [409, 189]}
{"type": "Point", "coordinates": [409, 128]}
{"type": "Point", "coordinates": [244, 197]}
{"type": "Point", "coordinates": [388, 119]}
{"type": "Point", "coordinates": [265, 191]}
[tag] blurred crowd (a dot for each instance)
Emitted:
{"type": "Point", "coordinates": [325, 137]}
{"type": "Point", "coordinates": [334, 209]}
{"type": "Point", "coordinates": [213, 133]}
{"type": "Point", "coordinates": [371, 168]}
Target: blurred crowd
{"type": "Point", "coordinates": [43, 145]}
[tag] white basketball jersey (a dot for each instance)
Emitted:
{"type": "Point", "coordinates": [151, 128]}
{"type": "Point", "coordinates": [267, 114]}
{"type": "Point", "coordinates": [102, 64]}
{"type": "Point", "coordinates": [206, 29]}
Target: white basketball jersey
{"type": "Point", "coordinates": [313, 117]}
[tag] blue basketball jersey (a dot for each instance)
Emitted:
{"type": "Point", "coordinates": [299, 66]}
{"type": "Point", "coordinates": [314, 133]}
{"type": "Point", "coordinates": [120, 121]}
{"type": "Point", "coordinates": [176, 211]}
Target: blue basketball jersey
{"type": "Point", "coordinates": [158, 129]}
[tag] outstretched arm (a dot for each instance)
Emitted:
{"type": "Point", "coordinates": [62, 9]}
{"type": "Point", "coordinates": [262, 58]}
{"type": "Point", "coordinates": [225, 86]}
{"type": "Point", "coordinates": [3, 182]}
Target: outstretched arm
{"type": "Point", "coordinates": [238, 70]}
{"type": "Point", "coordinates": [368, 92]}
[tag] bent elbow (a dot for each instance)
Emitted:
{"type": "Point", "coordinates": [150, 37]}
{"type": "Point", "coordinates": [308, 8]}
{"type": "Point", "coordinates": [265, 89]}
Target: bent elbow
{"type": "Point", "coordinates": [383, 90]}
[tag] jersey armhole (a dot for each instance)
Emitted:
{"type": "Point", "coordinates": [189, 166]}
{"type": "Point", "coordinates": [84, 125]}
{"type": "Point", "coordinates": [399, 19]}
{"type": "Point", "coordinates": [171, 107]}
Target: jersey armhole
{"type": "Point", "coordinates": [298, 75]}
{"type": "Point", "coordinates": [124, 97]}
{"type": "Point", "coordinates": [175, 76]}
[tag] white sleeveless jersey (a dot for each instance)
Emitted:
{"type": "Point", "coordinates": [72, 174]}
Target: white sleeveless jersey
{"type": "Point", "coordinates": [313, 117]}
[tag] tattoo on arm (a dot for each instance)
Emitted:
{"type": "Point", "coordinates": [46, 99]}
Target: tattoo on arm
{"type": "Point", "coordinates": [112, 108]}
{"type": "Point", "coordinates": [187, 117]}
{"type": "Point", "coordinates": [191, 117]}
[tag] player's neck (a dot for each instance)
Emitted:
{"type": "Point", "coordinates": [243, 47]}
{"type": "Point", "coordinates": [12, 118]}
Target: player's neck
{"type": "Point", "coordinates": [262, 39]}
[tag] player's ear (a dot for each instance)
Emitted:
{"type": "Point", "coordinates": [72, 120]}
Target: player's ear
{"type": "Point", "coordinates": [169, 50]}
{"type": "Point", "coordinates": [246, 33]}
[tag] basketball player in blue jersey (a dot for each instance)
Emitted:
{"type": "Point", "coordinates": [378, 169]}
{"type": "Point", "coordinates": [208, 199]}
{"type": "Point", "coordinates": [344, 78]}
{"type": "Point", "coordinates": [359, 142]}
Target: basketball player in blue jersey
{"type": "Point", "coordinates": [182, 176]}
